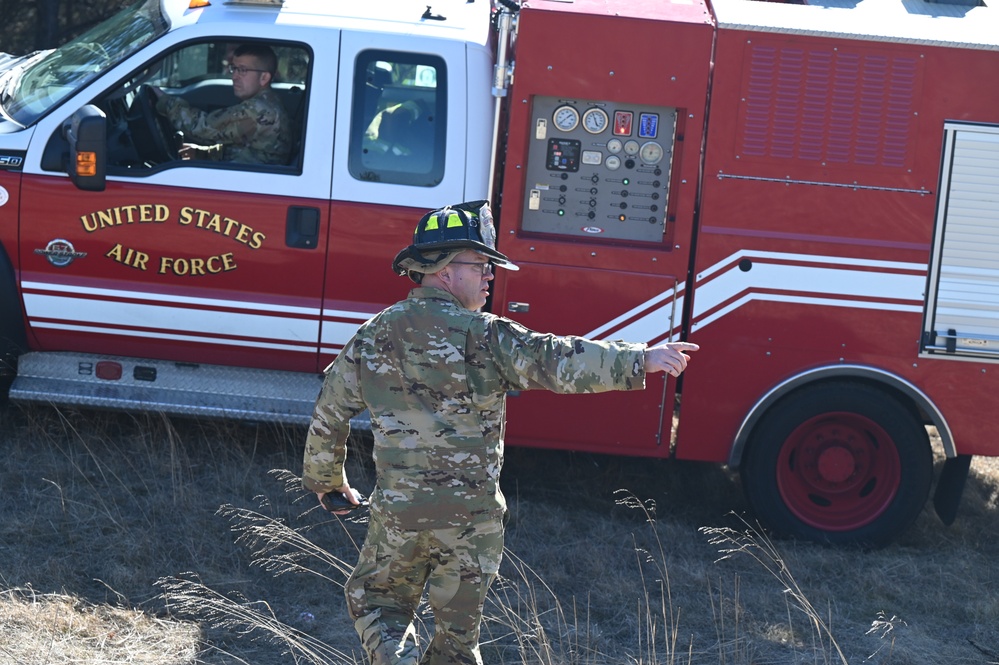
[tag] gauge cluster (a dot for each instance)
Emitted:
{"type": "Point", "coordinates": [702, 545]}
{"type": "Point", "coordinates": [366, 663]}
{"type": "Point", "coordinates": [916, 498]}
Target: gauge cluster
{"type": "Point", "coordinates": [599, 169]}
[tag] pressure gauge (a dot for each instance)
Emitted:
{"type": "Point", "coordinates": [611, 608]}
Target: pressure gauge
{"type": "Point", "coordinates": [614, 146]}
{"type": "Point", "coordinates": [631, 148]}
{"type": "Point", "coordinates": [651, 153]}
{"type": "Point", "coordinates": [566, 118]}
{"type": "Point", "coordinates": [595, 120]}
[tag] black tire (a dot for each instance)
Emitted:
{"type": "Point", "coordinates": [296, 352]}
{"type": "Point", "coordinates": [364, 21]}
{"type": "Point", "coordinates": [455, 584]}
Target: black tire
{"type": "Point", "coordinates": [8, 370]}
{"type": "Point", "coordinates": [13, 341]}
{"type": "Point", "coordinates": [840, 463]}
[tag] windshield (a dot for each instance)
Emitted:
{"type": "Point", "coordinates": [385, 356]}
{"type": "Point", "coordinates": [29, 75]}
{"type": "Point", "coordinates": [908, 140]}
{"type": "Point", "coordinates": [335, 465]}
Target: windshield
{"type": "Point", "coordinates": [36, 83]}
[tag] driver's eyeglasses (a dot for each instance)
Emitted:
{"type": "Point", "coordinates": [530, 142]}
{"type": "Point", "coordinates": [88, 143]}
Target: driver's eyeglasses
{"type": "Point", "coordinates": [233, 69]}
{"type": "Point", "coordinates": [485, 268]}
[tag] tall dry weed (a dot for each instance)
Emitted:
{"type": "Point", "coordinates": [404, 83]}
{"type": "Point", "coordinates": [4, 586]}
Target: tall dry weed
{"type": "Point", "coordinates": [98, 507]}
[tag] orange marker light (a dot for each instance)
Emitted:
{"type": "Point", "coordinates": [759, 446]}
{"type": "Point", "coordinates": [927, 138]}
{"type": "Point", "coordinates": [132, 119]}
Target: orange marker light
{"type": "Point", "coordinates": [86, 163]}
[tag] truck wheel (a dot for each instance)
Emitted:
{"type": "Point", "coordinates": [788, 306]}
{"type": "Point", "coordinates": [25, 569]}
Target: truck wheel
{"type": "Point", "coordinates": [8, 370]}
{"type": "Point", "coordinates": [12, 339]}
{"type": "Point", "coordinates": [842, 463]}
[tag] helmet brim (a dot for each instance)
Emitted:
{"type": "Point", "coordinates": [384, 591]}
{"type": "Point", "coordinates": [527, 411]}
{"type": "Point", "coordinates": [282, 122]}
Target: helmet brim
{"type": "Point", "coordinates": [420, 259]}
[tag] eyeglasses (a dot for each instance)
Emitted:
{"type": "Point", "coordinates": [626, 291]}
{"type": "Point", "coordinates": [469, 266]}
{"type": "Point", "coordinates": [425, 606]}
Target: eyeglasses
{"type": "Point", "coordinates": [233, 69]}
{"type": "Point", "coordinates": [485, 268]}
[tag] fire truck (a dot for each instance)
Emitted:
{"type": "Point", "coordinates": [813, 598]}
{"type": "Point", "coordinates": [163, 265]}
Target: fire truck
{"type": "Point", "coordinates": [810, 191]}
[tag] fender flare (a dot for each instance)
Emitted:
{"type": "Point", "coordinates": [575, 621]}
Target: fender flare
{"type": "Point", "coordinates": [866, 373]}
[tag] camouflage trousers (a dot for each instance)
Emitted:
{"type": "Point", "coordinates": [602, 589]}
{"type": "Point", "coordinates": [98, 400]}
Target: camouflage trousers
{"type": "Point", "coordinates": [384, 591]}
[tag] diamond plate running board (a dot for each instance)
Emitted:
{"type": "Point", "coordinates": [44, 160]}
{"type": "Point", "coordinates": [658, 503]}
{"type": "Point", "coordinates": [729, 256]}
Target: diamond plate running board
{"type": "Point", "coordinates": [186, 389]}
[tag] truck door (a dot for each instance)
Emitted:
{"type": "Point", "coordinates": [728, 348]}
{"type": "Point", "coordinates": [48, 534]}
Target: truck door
{"type": "Point", "coordinates": [598, 175]}
{"type": "Point", "coordinates": [411, 133]}
{"type": "Point", "coordinates": [198, 261]}
{"type": "Point", "coordinates": [598, 200]}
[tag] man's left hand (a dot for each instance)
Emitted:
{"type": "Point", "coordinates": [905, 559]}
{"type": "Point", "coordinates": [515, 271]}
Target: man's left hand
{"type": "Point", "coordinates": [349, 493]}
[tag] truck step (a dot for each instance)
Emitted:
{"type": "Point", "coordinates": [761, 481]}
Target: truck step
{"type": "Point", "coordinates": [187, 389]}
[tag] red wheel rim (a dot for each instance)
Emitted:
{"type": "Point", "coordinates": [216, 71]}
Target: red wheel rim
{"type": "Point", "coordinates": [838, 471]}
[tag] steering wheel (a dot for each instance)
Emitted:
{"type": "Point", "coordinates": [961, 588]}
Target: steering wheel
{"type": "Point", "coordinates": [151, 131]}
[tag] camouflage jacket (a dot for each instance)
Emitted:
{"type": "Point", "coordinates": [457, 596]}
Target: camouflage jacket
{"type": "Point", "coordinates": [254, 131]}
{"type": "Point", "coordinates": [434, 377]}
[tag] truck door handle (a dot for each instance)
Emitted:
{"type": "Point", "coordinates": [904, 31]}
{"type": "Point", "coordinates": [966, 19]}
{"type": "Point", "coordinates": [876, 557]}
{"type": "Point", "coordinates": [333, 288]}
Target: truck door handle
{"type": "Point", "coordinates": [302, 230]}
{"type": "Point", "coordinates": [518, 307]}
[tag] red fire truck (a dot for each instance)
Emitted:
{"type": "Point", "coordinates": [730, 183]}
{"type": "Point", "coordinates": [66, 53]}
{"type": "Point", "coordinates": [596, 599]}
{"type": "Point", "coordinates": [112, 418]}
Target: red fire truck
{"type": "Point", "coordinates": [810, 191]}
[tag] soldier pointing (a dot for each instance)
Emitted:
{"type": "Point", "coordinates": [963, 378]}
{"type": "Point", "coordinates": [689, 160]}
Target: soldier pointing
{"type": "Point", "coordinates": [433, 371]}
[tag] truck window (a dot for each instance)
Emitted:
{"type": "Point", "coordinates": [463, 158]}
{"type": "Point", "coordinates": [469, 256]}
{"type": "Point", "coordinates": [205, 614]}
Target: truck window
{"type": "Point", "coordinates": [398, 118]}
{"type": "Point", "coordinates": [145, 132]}
{"type": "Point", "coordinates": [36, 83]}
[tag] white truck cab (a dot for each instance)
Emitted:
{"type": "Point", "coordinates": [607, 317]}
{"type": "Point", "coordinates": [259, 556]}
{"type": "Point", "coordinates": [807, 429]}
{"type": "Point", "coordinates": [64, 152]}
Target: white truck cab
{"type": "Point", "coordinates": [243, 266]}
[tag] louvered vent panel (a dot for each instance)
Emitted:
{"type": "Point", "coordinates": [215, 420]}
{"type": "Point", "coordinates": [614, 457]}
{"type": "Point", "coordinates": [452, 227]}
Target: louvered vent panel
{"type": "Point", "coordinates": [828, 106]}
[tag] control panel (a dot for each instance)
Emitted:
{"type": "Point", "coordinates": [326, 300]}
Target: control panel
{"type": "Point", "coordinates": [599, 169]}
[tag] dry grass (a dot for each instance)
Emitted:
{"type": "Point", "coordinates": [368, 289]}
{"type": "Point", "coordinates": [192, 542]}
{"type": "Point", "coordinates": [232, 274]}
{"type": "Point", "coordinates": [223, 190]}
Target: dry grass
{"type": "Point", "coordinates": [113, 549]}
{"type": "Point", "coordinates": [54, 629]}
{"type": "Point", "coordinates": [133, 539]}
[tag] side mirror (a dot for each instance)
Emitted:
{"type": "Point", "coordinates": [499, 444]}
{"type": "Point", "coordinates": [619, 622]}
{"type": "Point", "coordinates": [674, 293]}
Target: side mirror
{"type": "Point", "coordinates": [86, 132]}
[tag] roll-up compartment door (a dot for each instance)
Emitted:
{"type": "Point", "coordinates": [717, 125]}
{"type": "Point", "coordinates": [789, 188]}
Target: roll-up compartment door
{"type": "Point", "coordinates": [962, 306]}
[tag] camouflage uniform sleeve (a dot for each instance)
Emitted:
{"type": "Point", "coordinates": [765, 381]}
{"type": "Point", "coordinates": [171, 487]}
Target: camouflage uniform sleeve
{"type": "Point", "coordinates": [255, 131]}
{"type": "Point", "coordinates": [326, 443]}
{"type": "Point", "coordinates": [184, 117]}
{"type": "Point", "coordinates": [529, 360]}
{"type": "Point", "coordinates": [234, 124]}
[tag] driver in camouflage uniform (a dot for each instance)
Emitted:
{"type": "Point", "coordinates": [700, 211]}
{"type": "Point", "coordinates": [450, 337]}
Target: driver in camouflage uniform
{"type": "Point", "coordinates": [433, 371]}
{"type": "Point", "coordinates": [257, 130]}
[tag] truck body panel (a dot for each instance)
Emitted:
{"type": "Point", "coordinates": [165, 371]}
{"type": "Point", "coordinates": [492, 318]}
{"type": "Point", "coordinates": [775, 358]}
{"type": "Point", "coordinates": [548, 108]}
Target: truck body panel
{"type": "Point", "coordinates": [617, 240]}
{"type": "Point", "coordinates": [820, 195]}
{"type": "Point", "coordinates": [807, 190]}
